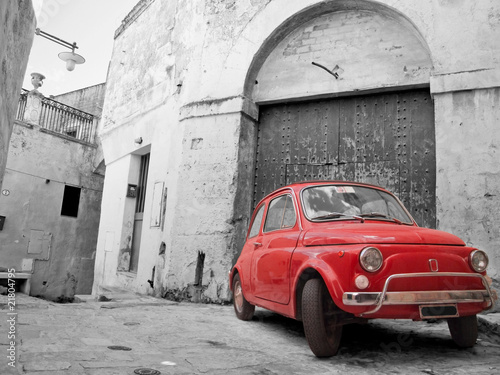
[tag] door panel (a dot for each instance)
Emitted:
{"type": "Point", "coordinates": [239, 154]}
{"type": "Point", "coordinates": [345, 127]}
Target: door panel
{"type": "Point", "coordinates": [381, 173]}
{"type": "Point", "coordinates": [309, 172]}
{"type": "Point", "coordinates": [139, 213]}
{"type": "Point", "coordinates": [273, 251]}
{"type": "Point", "coordinates": [271, 265]}
{"type": "Point", "coordinates": [385, 139]}
{"type": "Point", "coordinates": [136, 242]}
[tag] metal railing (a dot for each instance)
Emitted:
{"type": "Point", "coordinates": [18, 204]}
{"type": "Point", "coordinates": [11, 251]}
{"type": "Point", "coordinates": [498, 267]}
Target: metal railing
{"type": "Point", "coordinates": [61, 118]}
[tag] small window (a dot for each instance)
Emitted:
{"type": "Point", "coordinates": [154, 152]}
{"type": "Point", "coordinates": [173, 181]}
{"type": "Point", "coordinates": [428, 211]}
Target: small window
{"type": "Point", "coordinates": [254, 230]}
{"type": "Point", "coordinates": [71, 201]}
{"type": "Point", "coordinates": [281, 214]}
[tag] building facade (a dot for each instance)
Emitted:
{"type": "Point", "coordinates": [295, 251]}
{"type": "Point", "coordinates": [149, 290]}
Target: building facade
{"type": "Point", "coordinates": [211, 105]}
{"type": "Point", "coordinates": [51, 196]}
{"type": "Point", "coordinates": [16, 38]}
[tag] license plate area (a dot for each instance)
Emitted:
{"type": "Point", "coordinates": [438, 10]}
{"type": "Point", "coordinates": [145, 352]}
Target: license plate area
{"type": "Point", "coordinates": [438, 311]}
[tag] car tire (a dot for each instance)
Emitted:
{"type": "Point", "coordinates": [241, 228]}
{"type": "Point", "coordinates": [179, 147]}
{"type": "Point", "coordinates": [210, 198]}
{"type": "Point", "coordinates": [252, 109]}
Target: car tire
{"type": "Point", "coordinates": [320, 319]}
{"type": "Point", "coordinates": [463, 330]}
{"type": "Point", "coordinates": [244, 310]}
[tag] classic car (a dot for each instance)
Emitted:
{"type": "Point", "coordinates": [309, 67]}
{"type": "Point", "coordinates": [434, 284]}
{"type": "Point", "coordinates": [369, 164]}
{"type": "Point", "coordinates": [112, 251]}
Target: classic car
{"type": "Point", "coordinates": [331, 253]}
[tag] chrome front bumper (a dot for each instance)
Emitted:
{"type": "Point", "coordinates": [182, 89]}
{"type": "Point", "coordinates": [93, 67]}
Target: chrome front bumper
{"type": "Point", "coordinates": [420, 297]}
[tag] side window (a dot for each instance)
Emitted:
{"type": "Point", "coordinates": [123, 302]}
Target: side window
{"type": "Point", "coordinates": [281, 214]}
{"type": "Point", "coordinates": [289, 214]}
{"type": "Point", "coordinates": [254, 230]}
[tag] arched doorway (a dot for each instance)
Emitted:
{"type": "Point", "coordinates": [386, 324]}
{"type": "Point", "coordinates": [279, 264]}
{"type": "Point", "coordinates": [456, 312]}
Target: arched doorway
{"type": "Point", "coordinates": [344, 94]}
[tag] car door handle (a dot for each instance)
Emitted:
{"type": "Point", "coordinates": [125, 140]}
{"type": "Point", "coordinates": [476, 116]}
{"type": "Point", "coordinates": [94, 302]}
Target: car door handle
{"type": "Point", "coordinates": [257, 244]}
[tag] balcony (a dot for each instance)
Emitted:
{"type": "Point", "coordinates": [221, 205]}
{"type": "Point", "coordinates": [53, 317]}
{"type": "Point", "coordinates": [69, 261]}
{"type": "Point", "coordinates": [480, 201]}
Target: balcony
{"type": "Point", "coordinates": [56, 117]}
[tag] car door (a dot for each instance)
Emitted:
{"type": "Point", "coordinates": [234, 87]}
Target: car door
{"type": "Point", "coordinates": [254, 237]}
{"type": "Point", "coordinates": [273, 250]}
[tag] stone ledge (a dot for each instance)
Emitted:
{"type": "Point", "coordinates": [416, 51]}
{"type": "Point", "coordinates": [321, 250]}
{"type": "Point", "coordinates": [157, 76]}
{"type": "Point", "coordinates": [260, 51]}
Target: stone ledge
{"type": "Point", "coordinates": [465, 80]}
{"type": "Point", "coordinates": [138, 9]}
{"type": "Point", "coordinates": [25, 285]}
{"type": "Point", "coordinates": [17, 275]}
{"type": "Point", "coordinates": [490, 322]}
{"type": "Point", "coordinates": [68, 137]}
{"type": "Point", "coordinates": [214, 107]}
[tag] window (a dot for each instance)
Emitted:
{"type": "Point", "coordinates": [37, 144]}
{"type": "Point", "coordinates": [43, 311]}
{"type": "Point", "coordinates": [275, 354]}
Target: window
{"type": "Point", "coordinates": [71, 201]}
{"type": "Point", "coordinates": [281, 214]}
{"type": "Point", "coordinates": [254, 230]}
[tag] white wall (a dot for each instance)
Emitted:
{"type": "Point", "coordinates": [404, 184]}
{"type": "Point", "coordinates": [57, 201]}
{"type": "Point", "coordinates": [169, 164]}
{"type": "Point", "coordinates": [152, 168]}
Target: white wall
{"type": "Point", "coordinates": [16, 36]}
{"type": "Point", "coordinates": [177, 77]}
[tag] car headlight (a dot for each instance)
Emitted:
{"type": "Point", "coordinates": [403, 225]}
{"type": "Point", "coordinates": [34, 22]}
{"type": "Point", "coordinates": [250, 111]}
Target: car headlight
{"type": "Point", "coordinates": [371, 259]}
{"type": "Point", "coordinates": [478, 260]}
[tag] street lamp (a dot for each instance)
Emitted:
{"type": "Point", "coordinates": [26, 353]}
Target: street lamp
{"type": "Point", "coordinates": [70, 58]}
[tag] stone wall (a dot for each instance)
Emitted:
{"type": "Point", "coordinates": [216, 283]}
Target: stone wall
{"type": "Point", "coordinates": [372, 51]}
{"type": "Point", "coordinates": [89, 99]}
{"type": "Point", "coordinates": [468, 172]}
{"type": "Point", "coordinates": [16, 34]}
{"type": "Point", "coordinates": [37, 238]}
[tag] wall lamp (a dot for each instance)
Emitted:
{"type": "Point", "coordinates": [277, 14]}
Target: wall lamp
{"type": "Point", "coordinates": [70, 58]}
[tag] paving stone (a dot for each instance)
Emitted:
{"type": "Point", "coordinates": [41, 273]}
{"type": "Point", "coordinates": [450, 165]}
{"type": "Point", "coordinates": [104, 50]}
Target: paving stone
{"type": "Point", "coordinates": [106, 364]}
{"type": "Point", "coordinates": [185, 338]}
{"type": "Point", "coordinates": [46, 366]}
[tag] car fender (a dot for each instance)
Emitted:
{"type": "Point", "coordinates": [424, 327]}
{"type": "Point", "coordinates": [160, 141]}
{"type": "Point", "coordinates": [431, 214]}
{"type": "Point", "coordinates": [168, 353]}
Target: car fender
{"type": "Point", "coordinates": [231, 275]}
{"type": "Point", "coordinates": [327, 273]}
{"type": "Point", "coordinates": [243, 280]}
{"type": "Point", "coordinates": [233, 272]}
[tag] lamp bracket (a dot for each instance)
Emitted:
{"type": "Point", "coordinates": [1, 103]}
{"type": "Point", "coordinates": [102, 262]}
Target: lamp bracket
{"type": "Point", "coordinates": [57, 40]}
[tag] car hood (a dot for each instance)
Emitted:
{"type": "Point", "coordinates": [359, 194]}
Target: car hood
{"type": "Point", "coordinates": [376, 233]}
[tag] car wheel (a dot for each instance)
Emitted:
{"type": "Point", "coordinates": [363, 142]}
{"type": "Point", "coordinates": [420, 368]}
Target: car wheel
{"type": "Point", "coordinates": [244, 310]}
{"type": "Point", "coordinates": [320, 318]}
{"type": "Point", "coordinates": [463, 330]}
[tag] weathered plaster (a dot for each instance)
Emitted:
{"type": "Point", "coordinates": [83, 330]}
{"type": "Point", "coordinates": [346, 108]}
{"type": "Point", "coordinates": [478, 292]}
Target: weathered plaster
{"type": "Point", "coordinates": [17, 27]}
{"type": "Point", "coordinates": [373, 51]}
{"type": "Point", "coordinates": [467, 80]}
{"type": "Point", "coordinates": [468, 143]}
{"type": "Point", "coordinates": [89, 99]}
{"type": "Point", "coordinates": [40, 164]}
{"type": "Point", "coordinates": [182, 77]}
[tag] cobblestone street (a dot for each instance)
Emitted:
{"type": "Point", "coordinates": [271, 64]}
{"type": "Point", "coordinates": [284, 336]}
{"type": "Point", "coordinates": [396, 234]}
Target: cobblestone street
{"type": "Point", "coordinates": [185, 338]}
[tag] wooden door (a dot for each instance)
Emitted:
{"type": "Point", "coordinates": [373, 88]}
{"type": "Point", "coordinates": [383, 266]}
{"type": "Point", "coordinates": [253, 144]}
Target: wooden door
{"type": "Point", "coordinates": [385, 139]}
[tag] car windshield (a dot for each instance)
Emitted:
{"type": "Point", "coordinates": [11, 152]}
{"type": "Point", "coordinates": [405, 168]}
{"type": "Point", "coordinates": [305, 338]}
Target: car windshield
{"type": "Point", "coordinates": [341, 202]}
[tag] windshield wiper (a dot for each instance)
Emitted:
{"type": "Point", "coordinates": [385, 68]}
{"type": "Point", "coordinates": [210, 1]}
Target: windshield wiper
{"type": "Point", "coordinates": [378, 214]}
{"type": "Point", "coordinates": [334, 215]}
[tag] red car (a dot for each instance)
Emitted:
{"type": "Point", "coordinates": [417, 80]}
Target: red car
{"type": "Point", "coordinates": [330, 253]}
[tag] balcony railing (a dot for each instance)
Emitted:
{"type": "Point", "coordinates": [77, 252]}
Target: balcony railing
{"type": "Point", "coordinates": [21, 108]}
{"type": "Point", "coordinates": [60, 118]}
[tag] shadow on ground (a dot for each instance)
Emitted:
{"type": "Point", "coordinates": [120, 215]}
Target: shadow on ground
{"type": "Point", "coordinates": [384, 342]}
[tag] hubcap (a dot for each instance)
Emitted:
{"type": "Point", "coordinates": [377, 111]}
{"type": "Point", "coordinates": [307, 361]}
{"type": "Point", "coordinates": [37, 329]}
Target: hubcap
{"type": "Point", "coordinates": [238, 296]}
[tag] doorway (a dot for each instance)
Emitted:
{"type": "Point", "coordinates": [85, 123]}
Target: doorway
{"type": "Point", "coordinates": [387, 139]}
{"type": "Point", "coordinates": [139, 212]}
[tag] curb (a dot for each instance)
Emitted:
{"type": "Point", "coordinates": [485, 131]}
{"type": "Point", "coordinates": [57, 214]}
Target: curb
{"type": "Point", "coordinates": [489, 323]}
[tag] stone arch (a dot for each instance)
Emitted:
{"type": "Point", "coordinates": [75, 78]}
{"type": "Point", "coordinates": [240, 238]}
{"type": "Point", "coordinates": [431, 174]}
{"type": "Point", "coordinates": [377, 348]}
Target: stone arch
{"type": "Point", "coordinates": [401, 27]}
{"type": "Point", "coordinates": [300, 13]}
